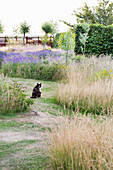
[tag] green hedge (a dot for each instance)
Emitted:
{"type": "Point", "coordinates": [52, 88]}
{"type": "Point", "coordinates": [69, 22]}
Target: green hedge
{"type": "Point", "coordinates": [100, 40]}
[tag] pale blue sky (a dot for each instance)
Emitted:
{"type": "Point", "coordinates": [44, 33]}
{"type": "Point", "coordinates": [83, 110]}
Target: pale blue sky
{"type": "Point", "coordinates": [36, 12]}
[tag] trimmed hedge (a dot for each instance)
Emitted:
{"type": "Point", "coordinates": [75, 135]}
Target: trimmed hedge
{"type": "Point", "coordinates": [100, 40]}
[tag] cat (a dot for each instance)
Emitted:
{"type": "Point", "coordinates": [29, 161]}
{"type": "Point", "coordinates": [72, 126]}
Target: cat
{"type": "Point", "coordinates": [36, 93]}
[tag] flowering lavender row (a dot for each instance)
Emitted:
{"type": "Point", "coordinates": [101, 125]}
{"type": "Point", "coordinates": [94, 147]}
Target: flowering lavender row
{"type": "Point", "coordinates": [35, 57]}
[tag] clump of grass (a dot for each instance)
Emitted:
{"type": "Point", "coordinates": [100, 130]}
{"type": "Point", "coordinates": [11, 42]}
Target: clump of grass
{"type": "Point", "coordinates": [54, 71]}
{"type": "Point", "coordinates": [82, 143]}
{"type": "Point", "coordinates": [86, 95]}
{"type": "Point", "coordinates": [12, 97]}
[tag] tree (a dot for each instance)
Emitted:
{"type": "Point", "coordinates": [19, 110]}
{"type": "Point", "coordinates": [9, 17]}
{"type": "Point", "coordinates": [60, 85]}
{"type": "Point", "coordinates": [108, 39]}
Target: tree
{"type": "Point", "coordinates": [1, 28]}
{"type": "Point", "coordinates": [86, 15]}
{"type": "Point", "coordinates": [84, 36]}
{"type": "Point", "coordinates": [66, 42]}
{"type": "Point", "coordinates": [49, 27]}
{"type": "Point", "coordinates": [44, 40]}
{"type": "Point", "coordinates": [101, 14]}
{"type": "Point", "coordinates": [54, 27]}
{"type": "Point", "coordinates": [24, 28]}
{"type": "Point", "coordinates": [104, 12]}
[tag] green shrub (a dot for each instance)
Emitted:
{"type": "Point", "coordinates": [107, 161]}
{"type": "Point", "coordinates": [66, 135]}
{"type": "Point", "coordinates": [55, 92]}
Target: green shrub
{"type": "Point", "coordinates": [102, 74]}
{"type": "Point", "coordinates": [35, 71]}
{"type": "Point", "coordinates": [78, 58]}
{"type": "Point", "coordinates": [100, 40]}
{"type": "Point", "coordinates": [12, 97]}
{"type": "Point", "coordinates": [56, 39]}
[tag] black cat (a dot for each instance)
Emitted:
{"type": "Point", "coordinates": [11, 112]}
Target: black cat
{"type": "Point", "coordinates": [36, 91]}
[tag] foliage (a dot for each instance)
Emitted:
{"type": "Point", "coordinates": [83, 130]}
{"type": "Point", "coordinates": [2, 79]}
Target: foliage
{"type": "Point", "coordinates": [1, 28]}
{"type": "Point", "coordinates": [56, 39]}
{"type": "Point", "coordinates": [101, 14]}
{"type": "Point", "coordinates": [12, 97]}
{"type": "Point", "coordinates": [99, 40]}
{"type": "Point", "coordinates": [45, 65]}
{"type": "Point", "coordinates": [103, 74]}
{"type": "Point", "coordinates": [35, 71]}
{"type": "Point", "coordinates": [85, 15]}
{"type": "Point", "coordinates": [104, 12]}
{"type": "Point", "coordinates": [84, 36]}
{"type": "Point", "coordinates": [54, 27]}
{"type": "Point", "coordinates": [78, 58]}
{"type": "Point", "coordinates": [48, 27]}
{"type": "Point", "coordinates": [44, 40]}
{"type": "Point", "coordinates": [66, 42]}
{"type": "Point", "coordinates": [24, 28]}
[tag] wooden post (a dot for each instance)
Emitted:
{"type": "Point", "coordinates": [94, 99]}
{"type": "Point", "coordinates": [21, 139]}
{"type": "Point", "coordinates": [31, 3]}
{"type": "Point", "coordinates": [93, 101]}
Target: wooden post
{"type": "Point", "coordinates": [38, 40]}
{"type": "Point", "coordinates": [26, 40]}
{"type": "Point", "coordinates": [5, 41]}
{"type": "Point", "coordinates": [16, 38]}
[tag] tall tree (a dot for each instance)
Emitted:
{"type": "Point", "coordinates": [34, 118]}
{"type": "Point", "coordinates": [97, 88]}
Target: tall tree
{"type": "Point", "coordinates": [24, 28]}
{"type": "Point", "coordinates": [104, 12]}
{"type": "Point", "coordinates": [49, 27]}
{"type": "Point", "coordinates": [1, 28]}
{"type": "Point", "coordinates": [101, 14]}
{"type": "Point", "coordinates": [86, 14]}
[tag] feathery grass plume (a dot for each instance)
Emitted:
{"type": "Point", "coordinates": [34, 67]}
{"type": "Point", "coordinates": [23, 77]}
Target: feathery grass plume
{"type": "Point", "coordinates": [85, 94]}
{"type": "Point", "coordinates": [82, 143]}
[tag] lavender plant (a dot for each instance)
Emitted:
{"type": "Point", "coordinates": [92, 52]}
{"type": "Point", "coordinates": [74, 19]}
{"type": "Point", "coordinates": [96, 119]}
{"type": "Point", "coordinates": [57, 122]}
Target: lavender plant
{"type": "Point", "coordinates": [46, 65]}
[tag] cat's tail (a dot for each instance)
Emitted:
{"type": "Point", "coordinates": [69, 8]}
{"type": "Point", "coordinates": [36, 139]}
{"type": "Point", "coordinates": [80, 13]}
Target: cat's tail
{"type": "Point", "coordinates": [33, 97]}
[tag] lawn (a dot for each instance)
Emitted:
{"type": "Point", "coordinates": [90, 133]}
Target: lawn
{"type": "Point", "coordinates": [70, 126]}
{"type": "Point", "coordinates": [23, 139]}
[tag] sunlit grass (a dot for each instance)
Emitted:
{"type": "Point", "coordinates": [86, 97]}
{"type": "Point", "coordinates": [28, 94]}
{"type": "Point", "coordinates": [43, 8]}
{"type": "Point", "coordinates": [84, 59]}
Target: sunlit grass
{"type": "Point", "coordinates": [82, 143]}
{"type": "Point", "coordinates": [84, 93]}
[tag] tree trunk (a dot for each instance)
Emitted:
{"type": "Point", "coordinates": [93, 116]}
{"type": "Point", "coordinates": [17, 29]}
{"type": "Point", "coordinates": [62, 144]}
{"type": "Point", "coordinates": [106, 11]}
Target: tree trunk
{"type": "Point", "coordinates": [66, 56]}
{"type": "Point", "coordinates": [24, 39]}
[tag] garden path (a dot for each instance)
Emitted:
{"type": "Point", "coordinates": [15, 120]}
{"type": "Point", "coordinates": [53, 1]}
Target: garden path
{"type": "Point", "coordinates": [30, 127]}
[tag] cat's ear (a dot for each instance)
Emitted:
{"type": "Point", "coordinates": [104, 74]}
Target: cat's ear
{"type": "Point", "coordinates": [40, 84]}
{"type": "Point", "coordinates": [37, 84]}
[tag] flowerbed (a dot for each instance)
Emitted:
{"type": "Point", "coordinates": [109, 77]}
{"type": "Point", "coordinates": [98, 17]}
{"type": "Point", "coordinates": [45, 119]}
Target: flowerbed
{"type": "Point", "coordinates": [45, 65]}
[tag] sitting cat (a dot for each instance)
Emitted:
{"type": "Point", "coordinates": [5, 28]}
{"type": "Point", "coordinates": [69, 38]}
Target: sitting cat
{"type": "Point", "coordinates": [36, 91]}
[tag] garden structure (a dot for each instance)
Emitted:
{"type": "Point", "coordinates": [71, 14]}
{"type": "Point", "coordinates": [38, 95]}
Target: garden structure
{"type": "Point", "coordinates": [29, 40]}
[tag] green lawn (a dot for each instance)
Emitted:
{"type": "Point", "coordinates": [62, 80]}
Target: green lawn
{"type": "Point", "coordinates": [25, 153]}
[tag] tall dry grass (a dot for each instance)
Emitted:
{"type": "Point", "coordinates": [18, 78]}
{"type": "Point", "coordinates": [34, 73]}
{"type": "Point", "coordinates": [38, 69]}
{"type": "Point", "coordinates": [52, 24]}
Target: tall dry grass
{"type": "Point", "coordinates": [82, 144]}
{"type": "Point", "coordinates": [82, 92]}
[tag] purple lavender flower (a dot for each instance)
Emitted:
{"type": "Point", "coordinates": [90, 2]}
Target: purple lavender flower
{"type": "Point", "coordinates": [32, 57]}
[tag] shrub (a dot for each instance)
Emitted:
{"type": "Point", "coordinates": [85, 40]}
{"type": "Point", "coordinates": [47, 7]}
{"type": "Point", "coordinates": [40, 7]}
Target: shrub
{"type": "Point", "coordinates": [82, 143]}
{"type": "Point", "coordinates": [35, 71]}
{"type": "Point", "coordinates": [99, 40]}
{"type": "Point", "coordinates": [103, 74]}
{"type": "Point", "coordinates": [12, 97]}
{"type": "Point", "coordinates": [56, 39]}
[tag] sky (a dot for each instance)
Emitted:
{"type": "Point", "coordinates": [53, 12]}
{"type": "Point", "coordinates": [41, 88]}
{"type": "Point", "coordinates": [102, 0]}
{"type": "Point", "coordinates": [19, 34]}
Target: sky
{"type": "Point", "coordinates": [37, 12]}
